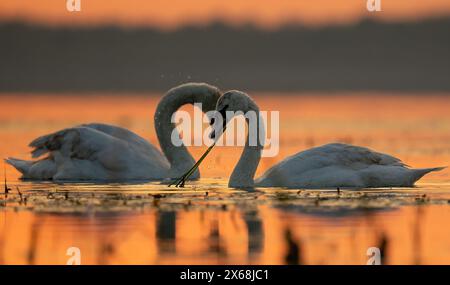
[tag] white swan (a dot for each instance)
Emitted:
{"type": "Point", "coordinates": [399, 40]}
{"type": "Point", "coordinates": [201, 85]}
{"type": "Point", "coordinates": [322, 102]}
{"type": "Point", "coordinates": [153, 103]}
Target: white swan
{"type": "Point", "coordinates": [102, 152]}
{"type": "Point", "coordinates": [328, 166]}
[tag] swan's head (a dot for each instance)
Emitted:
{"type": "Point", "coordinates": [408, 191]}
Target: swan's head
{"type": "Point", "coordinates": [229, 105]}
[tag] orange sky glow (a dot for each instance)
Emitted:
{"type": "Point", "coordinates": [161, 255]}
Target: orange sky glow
{"type": "Point", "coordinates": [169, 14]}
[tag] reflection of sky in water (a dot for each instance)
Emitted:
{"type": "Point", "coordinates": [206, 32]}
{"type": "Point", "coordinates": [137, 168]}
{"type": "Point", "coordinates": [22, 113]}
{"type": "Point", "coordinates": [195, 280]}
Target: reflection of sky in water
{"type": "Point", "coordinates": [137, 226]}
{"type": "Point", "coordinates": [131, 224]}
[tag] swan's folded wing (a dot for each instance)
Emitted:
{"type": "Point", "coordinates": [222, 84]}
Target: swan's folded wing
{"type": "Point", "coordinates": [117, 132]}
{"type": "Point", "coordinates": [132, 140]}
{"type": "Point", "coordinates": [345, 154]}
{"type": "Point", "coordinates": [336, 161]}
{"type": "Point", "coordinates": [78, 142]}
{"type": "Point", "coordinates": [50, 142]}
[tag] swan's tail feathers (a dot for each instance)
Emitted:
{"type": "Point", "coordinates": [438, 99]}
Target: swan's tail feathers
{"type": "Point", "coordinates": [420, 172]}
{"type": "Point", "coordinates": [23, 166]}
{"type": "Point", "coordinates": [39, 169]}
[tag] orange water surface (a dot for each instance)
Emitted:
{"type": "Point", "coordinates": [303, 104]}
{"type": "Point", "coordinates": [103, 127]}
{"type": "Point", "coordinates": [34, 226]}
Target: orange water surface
{"type": "Point", "coordinates": [235, 227]}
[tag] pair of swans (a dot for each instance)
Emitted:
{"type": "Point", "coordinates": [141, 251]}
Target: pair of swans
{"type": "Point", "coordinates": [99, 152]}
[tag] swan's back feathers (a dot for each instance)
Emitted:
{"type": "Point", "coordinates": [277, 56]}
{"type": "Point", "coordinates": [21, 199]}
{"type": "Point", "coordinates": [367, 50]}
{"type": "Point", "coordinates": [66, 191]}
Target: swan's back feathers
{"type": "Point", "coordinates": [131, 139]}
{"type": "Point", "coordinates": [345, 154]}
{"type": "Point", "coordinates": [341, 165]}
{"type": "Point", "coordinates": [79, 140]}
{"type": "Point", "coordinates": [54, 141]}
{"type": "Point", "coordinates": [117, 132]}
{"type": "Point", "coordinates": [93, 152]}
{"type": "Point", "coordinates": [86, 141]}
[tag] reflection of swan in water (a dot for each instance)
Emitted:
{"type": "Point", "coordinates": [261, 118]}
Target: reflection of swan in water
{"type": "Point", "coordinates": [328, 166]}
{"type": "Point", "coordinates": [105, 153]}
{"type": "Point", "coordinates": [166, 231]}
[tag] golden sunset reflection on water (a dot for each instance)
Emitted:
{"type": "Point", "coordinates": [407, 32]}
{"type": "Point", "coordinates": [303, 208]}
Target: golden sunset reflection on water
{"type": "Point", "coordinates": [233, 227]}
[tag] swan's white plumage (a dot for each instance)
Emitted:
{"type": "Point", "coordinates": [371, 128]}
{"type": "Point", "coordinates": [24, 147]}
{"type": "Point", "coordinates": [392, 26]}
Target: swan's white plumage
{"type": "Point", "coordinates": [101, 152]}
{"type": "Point", "coordinates": [94, 152]}
{"type": "Point", "coordinates": [340, 165]}
{"type": "Point", "coordinates": [328, 166]}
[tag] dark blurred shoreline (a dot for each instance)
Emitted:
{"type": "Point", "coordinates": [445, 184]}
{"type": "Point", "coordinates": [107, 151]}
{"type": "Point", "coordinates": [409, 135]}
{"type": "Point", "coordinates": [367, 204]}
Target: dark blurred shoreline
{"type": "Point", "coordinates": [394, 57]}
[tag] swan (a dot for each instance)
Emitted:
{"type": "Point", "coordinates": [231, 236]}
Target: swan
{"type": "Point", "coordinates": [101, 152]}
{"type": "Point", "coordinates": [329, 166]}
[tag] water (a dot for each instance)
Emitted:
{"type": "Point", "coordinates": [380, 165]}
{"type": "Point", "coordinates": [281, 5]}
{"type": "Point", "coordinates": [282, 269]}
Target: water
{"type": "Point", "coordinates": [207, 223]}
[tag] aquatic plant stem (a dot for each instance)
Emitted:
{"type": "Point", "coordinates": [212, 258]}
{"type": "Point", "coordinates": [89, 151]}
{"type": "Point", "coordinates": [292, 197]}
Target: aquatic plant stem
{"type": "Point", "coordinates": [181, 180]}
{"type": "Point", "coordinates": [6, 184]}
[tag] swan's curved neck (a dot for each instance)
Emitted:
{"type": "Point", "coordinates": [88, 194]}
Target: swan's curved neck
{"type": "Point", "coordinates": [179, 158]}
{"type": "Point", "coordinates": [244, 172]}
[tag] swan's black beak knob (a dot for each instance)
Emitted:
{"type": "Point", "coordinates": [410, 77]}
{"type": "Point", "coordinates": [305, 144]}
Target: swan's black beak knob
{"type": "Point", "coordinates": [218, 122]}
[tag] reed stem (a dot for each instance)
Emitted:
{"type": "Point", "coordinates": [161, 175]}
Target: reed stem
{"type": "Point", "coordinates": [181, 180]}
